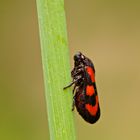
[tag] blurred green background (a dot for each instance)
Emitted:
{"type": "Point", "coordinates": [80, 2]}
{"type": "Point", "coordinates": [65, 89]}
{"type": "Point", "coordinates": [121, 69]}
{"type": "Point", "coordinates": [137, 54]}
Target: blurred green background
{"type": "Point", "coordinates": [108, 32]}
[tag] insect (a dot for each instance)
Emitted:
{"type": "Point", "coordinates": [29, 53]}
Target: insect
{"type": "Point", "coordinates": [85, 93]}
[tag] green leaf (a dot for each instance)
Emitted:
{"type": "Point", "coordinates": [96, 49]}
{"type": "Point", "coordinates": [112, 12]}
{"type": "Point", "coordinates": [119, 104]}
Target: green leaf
{"type": "Point", "coordinates": [56, 68]}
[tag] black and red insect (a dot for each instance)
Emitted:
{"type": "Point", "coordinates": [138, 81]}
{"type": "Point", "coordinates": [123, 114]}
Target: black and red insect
{"type": "Point", "coordinates": [85, 93]}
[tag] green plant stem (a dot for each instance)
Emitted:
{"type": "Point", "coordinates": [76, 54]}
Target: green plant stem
{"type": "Point", "coordinates": [56, 68]}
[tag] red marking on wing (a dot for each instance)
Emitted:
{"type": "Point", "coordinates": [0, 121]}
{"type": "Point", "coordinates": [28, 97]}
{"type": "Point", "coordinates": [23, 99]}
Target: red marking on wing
{"type": "Point", "coordinates": [91, 73]}
{"type": "Point", "coordinates": [92, 109]}
{"type": "Point", "coordinates": [90, 90]}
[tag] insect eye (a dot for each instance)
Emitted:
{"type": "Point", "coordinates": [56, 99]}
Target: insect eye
{"type": "Point", "coordinates": [77, 56]}
{"type": "Point", "coordinates": [82, 56]}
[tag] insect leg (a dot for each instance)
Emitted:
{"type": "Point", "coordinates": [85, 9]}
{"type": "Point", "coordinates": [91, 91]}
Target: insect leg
{"type": "Point", "coordinates": [73, 103]}
{"type": "Point", "coordinates": [74, 82]}
{"type": "Point", "coordinates": [69, 85]}
{"type": "Point", "coordinates": [77, 71]}
{"type": "Point", "coordinates": [74, 88]}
